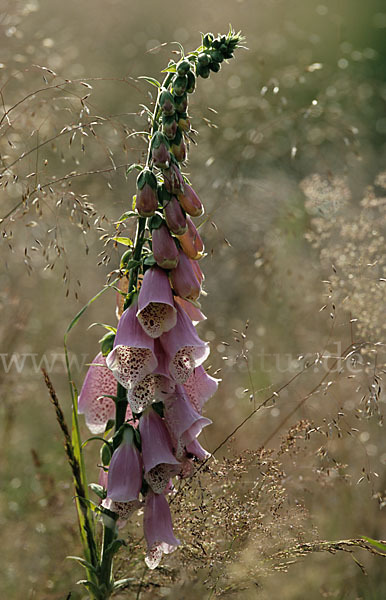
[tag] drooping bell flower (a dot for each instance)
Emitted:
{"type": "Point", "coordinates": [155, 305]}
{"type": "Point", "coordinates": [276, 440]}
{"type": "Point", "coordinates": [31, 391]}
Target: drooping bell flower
{"type": "Point", "coordinates": [184, 280]}
{"type": "Point", "coordinates": [184, 422]}
{"type": "Point", "coordinates": [200, 387]}
{"type": "Point", "coordinates": [183, 348]}
{"type": "Point", "coordinates": [156, 312]}
{"type": "Point", "coordinates": [174, 217]}
{"type": "Point", "coordinates": [190, 202]}
{"type": "Point", "coordinates": [191, 242]}
{"type": "Point", "coordinates": [177, 146]}
{"type": "Point", "coordinates": [159, 462]}
{"type": "Point", "coordinates": [154, 387]}
{"type": "Point", "coordinates": [98, 383]}
{"type": "Point", "coordinates": [197, 450]}
{"type": "Point", "coordinates": [173, 179]}
{"type": "Point", "coordinates": [197, 271]}
{"type": "Point", "coordinates": [124, 479]}
{"type": "Point", "coordinates": [181, 103]}
{"type": "Point", "coordinates": [132, 356]}
{"type": "Point", "coordinates": [164, 248]}
{"type": "Point", "coordinates": [191, 310]}
{"type": "Point", "coordinates": [160, 154]}
{"type": "Point", "coordinates": [179, 85]}
{"type": "Point", "coordinates": [158, 529]}
{"type": "Point", "coordinates": [147, 201]}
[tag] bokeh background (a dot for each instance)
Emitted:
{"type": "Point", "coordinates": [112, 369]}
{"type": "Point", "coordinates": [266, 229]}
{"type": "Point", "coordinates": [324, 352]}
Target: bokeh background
{"type": "Point", "coordinates": [290, 164]}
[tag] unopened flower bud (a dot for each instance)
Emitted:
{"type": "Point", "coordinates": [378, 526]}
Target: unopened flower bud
{"type": "Point", "coordinates": [183, 279]}
{"type": "Point", "coordinates": [174, 182]}
{"type": "Point", "coordinates": [175, 218]}
{"type": "Point", "coordinates": [208, 40]}
{"type": "Point", "coordinates": [160, 150]}
{"type": "Point", "coordinates": [217, 56]}
{"type": "Point", "coordinates": [178, 147]}
{"type": "Point", "coordinates": [204, 59]}
{"type": "Point", "coordinates": [190, 202]}
{"type": "Point", "coordinates": [180, 84]}
{"type": "Point", "coordinates": [191, 242]}
{"type": "Point", "coordinates": [191, 82]}
{"type": "Point", "coordinates": [183, 122]}
{"type": "Point", "coordinates": [164, 248]}
{"type": "Point", "coordinates": [147, 200]}
{"type": "Point", "coordinates": [169, 126]}
{"type": "Point", "coordinates": [202, 71]}
{"type": "Point", "coordinates": [166, 102]}
{"type": "Point", "coordinates": [181, 103]}
{"type": "Point", "coordinates": [215, 67]}
{"type": "Point", "coordinates": [183, 67]}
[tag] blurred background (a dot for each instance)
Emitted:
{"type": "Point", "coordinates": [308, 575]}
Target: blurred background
{"type": "Point", "coordinates": [290, 165]}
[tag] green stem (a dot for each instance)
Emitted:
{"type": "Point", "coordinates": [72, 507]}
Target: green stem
{"type": "Point", "coordinates": [110, 533]}
{"type": "Point", "coordinates": [121, 406]}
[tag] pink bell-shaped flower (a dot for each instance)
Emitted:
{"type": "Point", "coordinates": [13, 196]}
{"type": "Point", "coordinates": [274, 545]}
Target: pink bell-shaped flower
{"type": "Point", "coordinates": [124, 479]}
{"type": "Point", "coordinates": [132, 356]}
{"type": "Point", "coordinates": [156, 312]}
{"type": "Point", "coordinates": [197, 450]}
{"type": "Point", "coordinates": [200, 387]}
{"type": "Point", "coordinates": [173, 179]}
{"type": "Point", "coordinates": [183, 348]}
{"type": "Point", "coordinates": [98, 383]}
{"type": "Point", "coordinates": [183, 421]}
{"type": "Point", "coordinates": [184, 280]}
{"type": "Point", "coordinates": [191, 310]}
{"type": "Point", "coordinates": [158, 529]}
{"type": "Point", "coordinates": [159, 461]}
{"type": "Point", "coordinates": [164, 248]}
{"type": "Point", "coordinates": [124, 510]}
{"type": "Point", "coordinates": [154, 387]}
{"type": "Point", "coordinates": [175, 217]}
{"type": "Point", "coordinates": [190, 202]}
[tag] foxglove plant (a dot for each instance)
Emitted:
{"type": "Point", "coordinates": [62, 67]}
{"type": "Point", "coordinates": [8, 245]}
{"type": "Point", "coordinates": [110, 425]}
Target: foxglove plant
{"type": "Point", "coordinates": [144, 392]}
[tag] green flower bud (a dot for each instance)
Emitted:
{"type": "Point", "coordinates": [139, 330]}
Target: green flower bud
{"type": "Point", "coordinates": [202, 71]}
{"type": "Point", "coordinates": [183, 122]}
{"type": "Point", "coordinates": [191, 83]}
{"type": "Point", "coordinates": [203, 59]}
{"type": "Point", "coordinates": [180, 84]}
{"type": "Point", "coordinates": [183, 67]}
{"type": "Point", "coordinates": [208, 39]}
{"type": "Point", "coordinates": [181, 103]}
{"type": "Point", "coordinates": [106, 454]}
{"type": "Point", "coordinates": [217, 56]}
{"type": "Point", "coordinates": [227, 54]}
{"type": "Point", "coordinates": [216, 43]}
{"type": "Point", "coordinates": [215, 67]}
{"type": "Point", "coordinates": [166, 102]}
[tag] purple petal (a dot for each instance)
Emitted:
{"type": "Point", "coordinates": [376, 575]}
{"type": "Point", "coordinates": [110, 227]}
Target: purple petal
{"type": "Point", "coordinates": [156, 312]}
{"type": "Point", "coordinates": [99, 381]}
{"type": "Point", "coordinates": [184, 422]}
{"type": "Point", "coordinates": [183, 348]}
{"type": "Point", "coordinates": [191, 310]}
{"type": "Point", "coordinates": [155, 441]}
{"type": "Point", "coordinates": [132, 356]}
{"type": "Point", "coordinates": [197, 450]}
{"type": "Point", "coordinates": [158, 529]}
{"type": "Point", "coordinates": [200, 387]}
{"type": "Point", "coordinates": [125, 472]}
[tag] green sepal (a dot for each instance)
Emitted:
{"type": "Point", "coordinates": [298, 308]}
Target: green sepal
{"type": "Point", "coordinates": [106, 454]}
{"type": "Point", "coordinates": [164, 97]}
{"type": "Point", "coordinates": [160, 138]}
{"type": "Point", "coordinates": [181, 103]}
{"type": "Point", "coordinates": [149, 261]}
{"type": "Point", "coordinates": [146, 176]}
{"type": "Point", "coordinates": [155, 222]}
{"type": "Point", "coordinates": [159, 408]}
{"type": "Point", "coordinates": [208, 40]}
{"type": "Point", "coordinates": [99, 490]}
{"type": "Point", "coordinates": [107, 342]}
{"type": "Point", "coordinates": [130, 298]}
{"type": "Point", "coordinates": [163, 195]}
{"type": "Point", "coordinates": [109, 425]}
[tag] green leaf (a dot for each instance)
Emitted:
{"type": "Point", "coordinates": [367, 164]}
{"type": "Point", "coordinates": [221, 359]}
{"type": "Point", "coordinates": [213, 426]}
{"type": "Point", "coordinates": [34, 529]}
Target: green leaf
{"type": "Point", "coordinates": [122, 582]}
{"type": "Point", "coordinates": [115, 545]}
{"type": "Point", "coordinates": [171, 69]}
{"type": "Point", "coordinates": [150, 80]}
{"type": "Point", "coordinates": [125, 241]}
{"type": "Point", "coordinates": [85, 307]}
{"type": "Point", "coordinates": [134, 166]}
{"type": "Point", "coordinates": [133, 204]}
{"type": "Point", "coordinates": [375, 543]}
{"type": "Point", "coordinates": [126, 215]}
{"type": "Point", "coordinates": [83, 562]}
{"type": "Point", "coordinates": [108, 327]}
{"type": "Point", "coordinates": [99, 490]}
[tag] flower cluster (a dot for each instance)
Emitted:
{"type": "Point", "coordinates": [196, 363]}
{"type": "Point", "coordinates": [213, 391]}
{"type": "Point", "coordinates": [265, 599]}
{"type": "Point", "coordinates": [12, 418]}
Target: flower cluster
{"type": "Point", "coordinates": [155, 354]}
